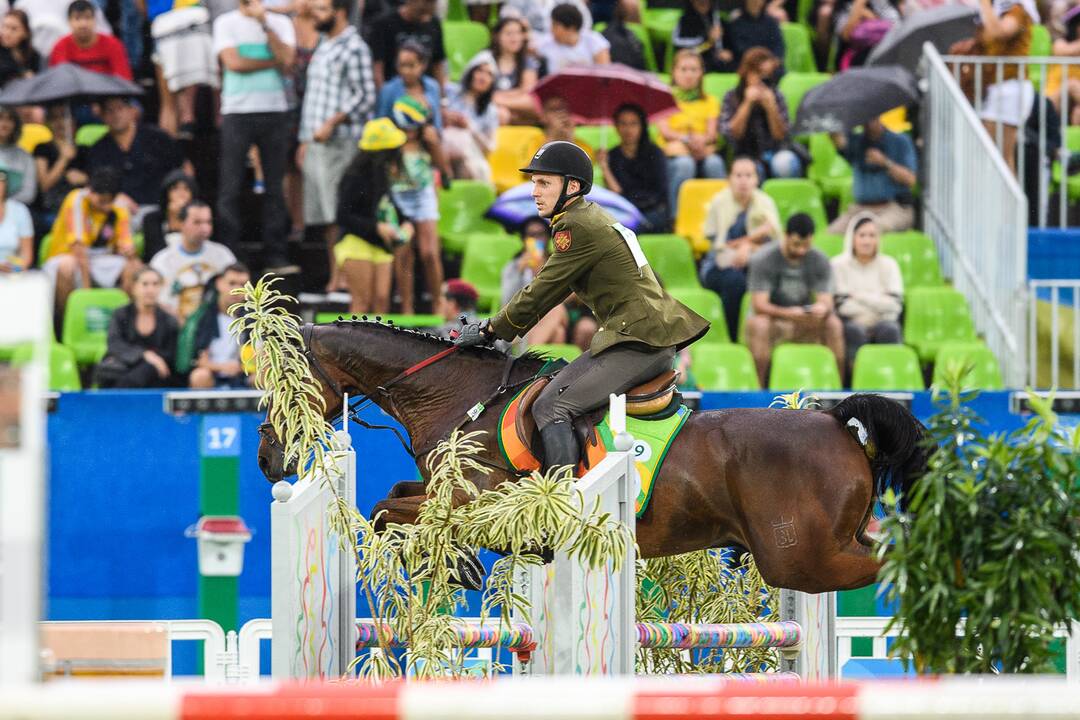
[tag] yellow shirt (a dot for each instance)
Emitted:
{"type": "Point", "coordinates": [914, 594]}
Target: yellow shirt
{"type": "Point", "coordinates": [78, 222]}
{"type": "Point", "coordinates": [693, 118]}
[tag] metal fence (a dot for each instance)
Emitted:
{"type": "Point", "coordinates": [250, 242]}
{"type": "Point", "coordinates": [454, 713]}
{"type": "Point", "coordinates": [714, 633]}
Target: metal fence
{"type": "Point", "coordinates": [1054, 334]}
{"type": "Point", "coordinates": [976, 211]}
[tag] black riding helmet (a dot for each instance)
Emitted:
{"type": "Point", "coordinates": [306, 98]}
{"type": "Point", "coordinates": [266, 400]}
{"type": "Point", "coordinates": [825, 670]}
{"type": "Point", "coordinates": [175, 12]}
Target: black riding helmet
{"type": "Point", "coordinates": [567, 159]}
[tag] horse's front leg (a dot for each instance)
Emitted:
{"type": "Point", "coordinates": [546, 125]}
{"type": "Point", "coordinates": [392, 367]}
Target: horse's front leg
{"type": "Point", "coordinates": [408, 488]}
{"type": "Point", "coordinates": [400, 510]}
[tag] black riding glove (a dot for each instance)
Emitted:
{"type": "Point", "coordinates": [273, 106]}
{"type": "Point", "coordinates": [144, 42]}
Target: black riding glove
{"type": "Point", "coordinates": [477, 333]}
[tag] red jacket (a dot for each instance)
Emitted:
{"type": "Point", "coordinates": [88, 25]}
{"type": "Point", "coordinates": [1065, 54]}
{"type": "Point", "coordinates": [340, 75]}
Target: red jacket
{"type": "Point", "coordinates": [106, 56]}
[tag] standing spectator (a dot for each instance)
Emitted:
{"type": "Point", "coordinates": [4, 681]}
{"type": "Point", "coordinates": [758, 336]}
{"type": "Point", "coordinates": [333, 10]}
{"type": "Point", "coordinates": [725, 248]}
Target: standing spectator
{"type": "Point", "coordinates": [142, 339]}
{"type": "Point", "coordinates": [740, 220]}
{"type": "Point", "coordinates": [16, 162]}
{"type": "Point", "coordinates": [18, 58]}
{"type": "Point", "coordinates": [368, 219]}
{"type": "Point", "coordinates": [143, 153]}
{"type": "Point", "coordinates": [1066, 44]}
{"type": "Point", "coordinates": [690, 134]}
{"type": "Point", "coordinates": [217, 349]}
{"type": "Point", "coordinates": [520, 271]}
{"type": "Point", "coordinates": [307, 40]}
{"type": "Point", "coordinates": [187, 265]}
{"type": "Point", "coordinates": [16, 233]}
{"type": "Point", "coordinates": [625, 47]}
{"type": "Point", "coordinates": [791, 295]}
{"type": "Point", "coordinates": [161, 226]}
{"type": "Point", "coordinates": [569, 43]}
{"type": "Point", "coordinates": [752, 26]}
{"type": "Point", "coordinates": [869, 288]}
{"type": "Point", "coordinates": [88, 48]}
{"type": "Point", "coordinates": [700, 30]}
{"type": "Point", "coordinates": [884, 165]}
{"type": "Point", "coordinates": [184, 60]}
{"type": "Point", "coordinates": [516, 71]}
{"type": "Point", "coordinates": [414, 22]}
{"type": "Point", "coordinates": [338, 100]}
{"type": "Point", "coordinates": [57, 171]}
{"type": "Point", "coordinates": [754, 118]}
{"type": "Point", "coordinates": [637, 169]}
{"type": "Point", "coordinates": [256, 50]}
{"type": "Point", "coordinates": [472, 120]}
{"type": "Point", "coordinates": [412, 61]}
{"type": "Point", "coordinates": [91, 239]}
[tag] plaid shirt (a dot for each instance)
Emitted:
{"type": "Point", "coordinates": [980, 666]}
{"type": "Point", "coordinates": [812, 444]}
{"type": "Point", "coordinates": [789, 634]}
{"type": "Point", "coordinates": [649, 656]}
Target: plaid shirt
{"type": "Point", "coordinates": [339, 79]}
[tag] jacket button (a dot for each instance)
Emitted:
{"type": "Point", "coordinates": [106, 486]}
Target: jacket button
{"type": "Point", "coordinates": [600, 329]}
{"type": "Point", "coordinates": [624, 322]}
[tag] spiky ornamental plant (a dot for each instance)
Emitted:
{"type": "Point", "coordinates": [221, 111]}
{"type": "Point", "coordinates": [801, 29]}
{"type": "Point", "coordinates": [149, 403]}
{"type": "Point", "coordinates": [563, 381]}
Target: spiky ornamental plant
{"type": "Point", "coordinates": [987, 543]}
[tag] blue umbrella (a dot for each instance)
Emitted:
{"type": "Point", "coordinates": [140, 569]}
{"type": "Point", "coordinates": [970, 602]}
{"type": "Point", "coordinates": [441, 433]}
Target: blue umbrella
{"type": "Point", "coordinates": [516, 205]}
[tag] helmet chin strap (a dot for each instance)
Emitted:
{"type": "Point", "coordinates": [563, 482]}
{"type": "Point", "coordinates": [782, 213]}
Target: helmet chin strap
{"type": "Point", "coordinates": [564, 196]}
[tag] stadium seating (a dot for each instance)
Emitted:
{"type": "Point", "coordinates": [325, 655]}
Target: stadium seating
{"type": "Point", "coordinates": [796, 84]}
{"type": "Point", "coordinates": [795, 195]}
{"type": "Point", "coordinates": [63, 372]}
{"type": "Point", "coordinates": [32, 135]}
{"type": "Point", "coordinates": [914, 251]}
{"type": "Point", "coordinates": [43, 249]}
{"type": "Point", "coordinates": [661, 22]}
{"type": "Point", "coordinates": [798, 52]}
{"type": "Point", "coordinates": [694, 198]}
{"type": "Point", "coordinates": [723, 367]}
{"type": "Point", "coordinates": [829, 243]}
{"type": "Point", "coordinates": [463, 40]}
{"type": "Point", "coordinates": [984, 373]}
{"type": "Point", "coordinates": [642, 34]}
{"type": "Point", "coordinates": [405, 321]}
{"type": "Point", "coordinates": [803, 367]}
{"type": "Point", "coordinates": [744, 311]}
{"type": "Point", "coordinates": [87, 135]}
{"type": "Point", "coordinates": [829, 169]}
{"type": "Point", "coordinates": [557, 351]}
{"type": "Point", "coordinates": [461, 213]}
{"type": "Point", "coordinates": [86, 321]}
{"type": "Point", "coordinates": [1072, 144]}
{"type": "Point", "coordinates": [707, 304]}
{"type": "Point", "coordinates": [671, 259]}
{"type": "Point", "coordinates": [514, 147]}
{"type": "Point", "coordinates": [887, 367]}
{"type": "Point", "coordinates": [482, 265]}
{"type": "Point", "coordinates": [718, 84]}
{"type": "Point", "coordinates": [934, 316]}
{"type": "Point", "coordinates": [597, 136]}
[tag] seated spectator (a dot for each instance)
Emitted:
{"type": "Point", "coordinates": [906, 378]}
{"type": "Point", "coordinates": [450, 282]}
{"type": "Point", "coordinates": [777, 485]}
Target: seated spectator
{"type": "Point", "coordinates": [868, 287]}
{"type": "Point", "coordinates": [415, 23]}
{"type": "Point", "coordinates": [516, 72]}
{"type": "Point", "coordinates": [88, 48]}
{"type": "Point", "coordinates": [142, 339]}
{"type": "Point", "coordinates": [860, 25]}
{"type": "Point", "coordinates": [741, 219]}
{"type": "Point", "coordinates": [459, 298]}
{"type": "Point", "coordinates": [184, 60]}
{"type": "Point", "coordinates": [143, 153]}
{"type": "Point", "coordinates": [16, 162]}
{"type": "Point", "coordinates": [91, 239]}
{"type": "Point", "coordinates": [410, 79]}
{"type": "Point", "coordinates": [884, 165]}
{"type": "Point", "coordinates": [521, 270]}
{"type": "Point", "coordinates": [16, 233]}
{"type": "Point", "coordinates": [755, 116]}
{"type": "Point", "coordinates": [637, 169]}
{"type": "Point", "coordinates": [18, 58]}
{"type": "Point", "coordinates": [55, 165]}
{"type": "Point", "coordinates": [790, 287]}
{"type": "Point", "coordinates": [752, 26]}
{"type": "Point", "coordinates": [217, 349]}
{"type": "Point", "coordinates": [559, 124]}
{"type": "Point", "coordinates": [537, 13]}
{"type": "Point", "coordinates": [162, 226]}
{"type": "Point", "coordinates": [188, 264]}
{"type": "Point", "coordinates": [690, 134]}
{"type": "Point", "coordinates": [569, 44]}
{"type": "Point", "coordinates": [626, 48]}
{"type": "Point", "coordinates": [701, 31]}
{"type": "Point", "coordinates": [369, 222]}
{"type": "Point", "coordinates": [472, 120]}
{"type": "Point", "coordinates": [1066, 44]}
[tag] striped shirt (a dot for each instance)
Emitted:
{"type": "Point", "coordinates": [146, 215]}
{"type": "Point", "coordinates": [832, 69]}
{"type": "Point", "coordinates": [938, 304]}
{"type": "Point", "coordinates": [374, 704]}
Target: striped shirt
{"type": "Point", "coordinates": [339, 80]}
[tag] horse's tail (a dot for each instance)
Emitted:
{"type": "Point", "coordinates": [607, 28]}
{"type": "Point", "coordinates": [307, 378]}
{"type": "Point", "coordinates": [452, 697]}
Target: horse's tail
{"type": "Point", "coordinates": [892, 438]}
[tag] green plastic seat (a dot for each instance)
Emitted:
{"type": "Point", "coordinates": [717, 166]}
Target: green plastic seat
{"type": "Point", "coordinates": [798, 51]}
{"type": "Point", "coordinates": [718, 84]}
{"type": "Point", "coordinates": [795, 195]}
{"type": "Point", "coordinates": [796, 84]}
{"type": "Point", "coordinates": [642, 34]}
{"type": "Point", "coordinates": [557, 351]}
{"type": "Point", "coordinates": [829, 169]}
{"type": "Point", "coordinates": [803, 367]}
{"type": "Point", "coordinates": [463, 39]}
{"type": "Point", "coordinates": [63, 370]}
{"type": "Point", "coordinates": [917, 257]}
{"type": "Point", "coordinates": [887, 367]}
{"type": "Point", "coordinates": [1072, 144]}
{"type": "Point", "coordinates": [985, 372]}
{"type": "Point", "coordinates": [406, 321]}
{"type": "Point", "coordinates": [723, 367]}
{"type": "Point", "coordinates": [86, 321]}
{"type": "Point", "coordinates": [744, 312]}
{"type": "Point", "coordinates": [829, 243]}
{"type": "Point", "coordinates": [461, 213]}
{"type": "Point", "coordinates": [707, 304]}
{"type": "Point", "coordinates": [671, 259]}
{"type": "Point", "coordinates": [483, 263]}
{"type": "Point", "coordinates": [598, 137]}
{"type": "Point", "coordinates": [87, 135]}
{"type": "Point", "coordinates": [934, 316]}
{"type": "Point", "coordinates": [1041, 45]}
{"type": "Point", "coordinates": [43, 249]}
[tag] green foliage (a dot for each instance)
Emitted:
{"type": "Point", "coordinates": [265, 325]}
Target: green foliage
{"type": "Point", "coordinates": [989, 539]}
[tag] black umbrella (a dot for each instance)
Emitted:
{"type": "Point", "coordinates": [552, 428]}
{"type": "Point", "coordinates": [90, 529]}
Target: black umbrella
{"type": "Point", "coordinates": [66, 82]}
{"type": "Point", "coordinates": [940, 26]}
{"type": "Point", "coordinates": [854, 97]}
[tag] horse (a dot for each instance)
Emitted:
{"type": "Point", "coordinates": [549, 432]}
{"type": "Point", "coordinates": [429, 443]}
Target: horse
{"type": "Point", "coordinates": [795, 488]}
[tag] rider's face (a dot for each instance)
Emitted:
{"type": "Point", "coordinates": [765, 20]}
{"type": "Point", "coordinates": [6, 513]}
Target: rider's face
{"type": "Point", "coordinates": [546, 191]}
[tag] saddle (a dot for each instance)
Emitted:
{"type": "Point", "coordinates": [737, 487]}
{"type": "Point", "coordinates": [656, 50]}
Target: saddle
{"type": "Point", "coordinates": [655, 399]}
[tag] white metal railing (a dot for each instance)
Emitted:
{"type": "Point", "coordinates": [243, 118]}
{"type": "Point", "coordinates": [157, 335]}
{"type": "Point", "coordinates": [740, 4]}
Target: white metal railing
{"type": "Point", "coordinates": [977, 214]}
{"type": "Point", "coordinates": [1063, 331]}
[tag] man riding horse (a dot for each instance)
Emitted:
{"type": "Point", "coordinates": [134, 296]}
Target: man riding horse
{"type": "Point", "coordinates": [641, 326]}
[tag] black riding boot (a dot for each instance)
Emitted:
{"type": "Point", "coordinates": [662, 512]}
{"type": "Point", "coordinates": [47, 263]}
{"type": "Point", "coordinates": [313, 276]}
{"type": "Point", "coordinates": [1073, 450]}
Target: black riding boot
{"type": "Point", "coordinates": [560, 445]}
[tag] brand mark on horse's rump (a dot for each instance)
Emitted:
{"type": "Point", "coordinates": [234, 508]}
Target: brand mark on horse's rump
{"type": "Point", "coordinates": [784, 532]}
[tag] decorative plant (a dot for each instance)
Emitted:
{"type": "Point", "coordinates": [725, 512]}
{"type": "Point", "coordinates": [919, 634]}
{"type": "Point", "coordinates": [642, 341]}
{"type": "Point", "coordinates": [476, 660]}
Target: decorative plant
{"type": "Point", "coordinates": [984, 561]}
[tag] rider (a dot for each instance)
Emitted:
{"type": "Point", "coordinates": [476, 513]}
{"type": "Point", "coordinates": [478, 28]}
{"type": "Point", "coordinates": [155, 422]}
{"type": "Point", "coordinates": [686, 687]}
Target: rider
{"type": "Point", "coordinates": [641, 326]}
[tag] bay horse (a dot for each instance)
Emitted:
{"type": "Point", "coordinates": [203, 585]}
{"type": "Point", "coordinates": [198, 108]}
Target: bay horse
{"type": "Point", "coordinates": [793, 487]}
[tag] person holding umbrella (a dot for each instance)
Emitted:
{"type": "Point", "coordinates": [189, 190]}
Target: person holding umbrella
{"type": "Point", "coordinates": [641, 325]}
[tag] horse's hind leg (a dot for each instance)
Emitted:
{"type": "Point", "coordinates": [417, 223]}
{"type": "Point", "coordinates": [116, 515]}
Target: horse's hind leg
{"type": "Point", "coordinates": [853, 566]}
{"type": "Point", "coordinates": [399, 510]}
{"type": "Point", "coordinates": [409, 488]}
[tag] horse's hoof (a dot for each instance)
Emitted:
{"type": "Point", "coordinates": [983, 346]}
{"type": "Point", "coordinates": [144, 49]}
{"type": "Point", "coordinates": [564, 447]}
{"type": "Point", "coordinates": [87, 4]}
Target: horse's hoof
{"type": "Point", "coordinates": [470, 571]}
